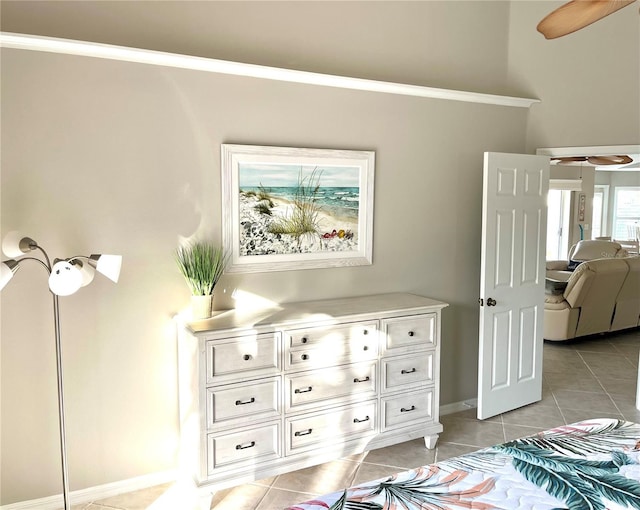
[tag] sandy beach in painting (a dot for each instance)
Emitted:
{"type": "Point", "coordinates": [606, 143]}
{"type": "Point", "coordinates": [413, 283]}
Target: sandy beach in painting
{"type": "Point", "coordinates": [327, 222]}
{"type": "Point", "coordinates": [336, 232]}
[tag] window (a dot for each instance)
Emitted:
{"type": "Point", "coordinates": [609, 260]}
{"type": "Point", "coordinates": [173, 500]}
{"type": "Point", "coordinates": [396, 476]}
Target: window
{"type": "Point", "coordinates": [558, 214]}
{"type": "Point", "coordinates": [600, 208]}
{"type": "Point", "coordinates": [626, 211]}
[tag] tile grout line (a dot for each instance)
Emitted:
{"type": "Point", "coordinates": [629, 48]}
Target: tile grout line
{"type": "Point", "coordinates": [553, 393]}
{"type": "Point", "coordinates": [600, 383]}
{"type": "Point", "coordinates": [354, 474]}
{"type": "Point", "coordinates": [263, 497]}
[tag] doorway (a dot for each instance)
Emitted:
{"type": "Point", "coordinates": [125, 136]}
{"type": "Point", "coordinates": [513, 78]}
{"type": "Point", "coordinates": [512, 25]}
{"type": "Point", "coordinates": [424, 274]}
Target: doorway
{"type": "Point", "coordinates": [601, 180]}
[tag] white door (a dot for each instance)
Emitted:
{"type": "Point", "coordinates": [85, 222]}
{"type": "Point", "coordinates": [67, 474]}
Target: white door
{"type": "Point", "coordinates": [514, 219]}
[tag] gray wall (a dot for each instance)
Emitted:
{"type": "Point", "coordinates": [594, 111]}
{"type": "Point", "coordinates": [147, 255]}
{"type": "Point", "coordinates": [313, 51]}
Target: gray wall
{"type": "Point", "coordinates": [589, 81]}
{"type": "Point", "coordinates": [457, 45]}
{"type": "Point", "coordinates": [102, 156]}
{"type": "Point", "coordinates": [122, 158]}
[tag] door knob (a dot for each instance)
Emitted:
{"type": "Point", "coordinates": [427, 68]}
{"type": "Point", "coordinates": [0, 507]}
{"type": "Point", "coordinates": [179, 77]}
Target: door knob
{"type": "Point", "coordinates": [491, 302]}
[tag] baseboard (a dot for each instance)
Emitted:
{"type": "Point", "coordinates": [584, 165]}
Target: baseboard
{"type": "Point", "coordinates": [455, 407]}
{"type": "Point", "coordinates": [97, 493]}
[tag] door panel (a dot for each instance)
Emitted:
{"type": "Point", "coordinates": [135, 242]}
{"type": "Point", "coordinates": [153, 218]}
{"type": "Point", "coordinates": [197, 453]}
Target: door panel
{"type": "Point", "coordinates": [532, 230]}
{"type": "Point", "coordinates": [526, 370]}
{"type": "Point", "coordinates": [503, 260]}
{"type": "Point", "coordinates": [501, 345]}
{"type": "Point", "coordinates": [512, 281]}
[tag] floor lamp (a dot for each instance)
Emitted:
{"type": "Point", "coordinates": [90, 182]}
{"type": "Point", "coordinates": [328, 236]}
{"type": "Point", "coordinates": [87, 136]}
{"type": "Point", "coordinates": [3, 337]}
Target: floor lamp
{"type": "Point", "coordinates": [66, 276]}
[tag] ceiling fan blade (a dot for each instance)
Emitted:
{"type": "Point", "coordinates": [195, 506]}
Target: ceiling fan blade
{"type": "Point", "coordinates": [578, 14]}
{"type": "Point", "coordinates": [570, 159]}
{"type": "Point", "coordinates": [609, 160]}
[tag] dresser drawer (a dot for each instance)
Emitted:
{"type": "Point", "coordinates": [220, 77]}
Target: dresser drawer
{"type": "Point", "coordinates": [410, 333]}
{"type": "Point", "coordinates": [249, 446]}
{"type": "Point", "coordinates": [407, 408]}
{"type": "Point", "coordinates": [321, 387]}
{"type": "Point", "coordinates": [255, 400]}
{"type": "Point", "coordinates": [251, 355]}
{"type": "Point", "coordinates": [337, 425]}
{"type": "Point", "coordinates": [407, 371]}
{"type": "Point", "coordinates": [331, 334]}
{"type": "Point", "coordinates": [323, 346]}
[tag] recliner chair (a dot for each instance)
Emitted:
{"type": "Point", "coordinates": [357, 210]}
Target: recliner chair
{"type": "Point", "coordinates": [583, 251]}
{"type": "Point", "coordinates": [588, 302]}
{"type": "Point", "coordinates": [627, 309]}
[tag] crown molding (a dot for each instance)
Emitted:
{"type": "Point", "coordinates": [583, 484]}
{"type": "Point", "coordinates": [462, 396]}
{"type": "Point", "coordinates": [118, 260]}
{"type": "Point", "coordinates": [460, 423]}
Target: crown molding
{"type": "Point", "coordinates": [159, 58]}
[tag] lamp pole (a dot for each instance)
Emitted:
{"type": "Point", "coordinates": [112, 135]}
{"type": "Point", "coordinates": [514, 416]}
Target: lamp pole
{"type": "Point", "coordinates": [56, 322]}
{"type": "Point", "coordinates": [63, 436]}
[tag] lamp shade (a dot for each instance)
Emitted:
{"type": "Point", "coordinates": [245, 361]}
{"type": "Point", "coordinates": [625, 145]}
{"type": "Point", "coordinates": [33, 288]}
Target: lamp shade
{"type": "Point", "coordinates": [65, 278]}
{"type": "Point", "coordinates": [7, 270]}
{"type": "Point", "coordinates": [15, 244]}
{"type": "Point", "coordinates": [108, 265]}
{"type": "Point", "coordinates": [86, 270]}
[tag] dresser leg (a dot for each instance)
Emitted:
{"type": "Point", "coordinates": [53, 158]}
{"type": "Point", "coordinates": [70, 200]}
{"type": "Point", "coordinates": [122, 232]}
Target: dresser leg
{"type": "Point", "coordinates": [204, 502]}
{"type": "Point", "coordinates": [430, 441]}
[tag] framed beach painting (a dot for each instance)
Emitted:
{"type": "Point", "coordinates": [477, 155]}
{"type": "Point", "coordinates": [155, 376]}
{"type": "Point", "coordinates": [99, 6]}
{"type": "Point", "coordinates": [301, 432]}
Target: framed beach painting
{"type": "Point", "coordinates": [289, 208]}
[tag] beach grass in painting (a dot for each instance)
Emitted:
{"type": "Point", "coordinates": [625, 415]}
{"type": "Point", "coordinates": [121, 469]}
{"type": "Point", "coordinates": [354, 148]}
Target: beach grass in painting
{"type": "Point", "coordinates": [303, 215]}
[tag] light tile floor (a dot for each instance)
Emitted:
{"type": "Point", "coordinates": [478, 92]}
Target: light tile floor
{"type": "Point", "coordinates": [589, 378]}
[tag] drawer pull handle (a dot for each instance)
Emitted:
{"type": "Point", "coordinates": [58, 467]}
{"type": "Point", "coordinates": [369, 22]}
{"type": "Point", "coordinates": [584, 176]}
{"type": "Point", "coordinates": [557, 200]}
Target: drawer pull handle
{"type": "Point", "coordinates": [246, 357]}
{"type": "Point", "coordinates": [406, 410]}
{"type": "Point", "coordinates": [303, 390]}
{"type": "Point", "coordinates": [411, 333]}
{"type": "Point", "coordinates": [356, 380]}
{"type": "Point", "coordinates": [356, 420]}
{"type": "Point", "coordinates": [304, 339]}
{"type": "Point", "coordinates": [304, 357]}
{"type": "Point", "coordinates": [365, 348]}
{"type": "Point", "coordinates": [365, 332]}
{"type": "Point", "coordinates": [243, 402]}
{"type": "Point", "coordinates": [408, 371]}
{"type": "Point", "coordinates": [245, 446]}
{"type": "Point", "coordinates": [303, 432]}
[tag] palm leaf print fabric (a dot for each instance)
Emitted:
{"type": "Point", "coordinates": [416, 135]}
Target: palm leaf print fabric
{"type": "Point", "coordinates": [591, 465]}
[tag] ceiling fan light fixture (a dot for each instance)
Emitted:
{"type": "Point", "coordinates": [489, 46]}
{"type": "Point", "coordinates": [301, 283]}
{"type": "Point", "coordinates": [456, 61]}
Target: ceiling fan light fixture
{"type": "Point", "coordinates": [603, 160]}
{"type": "Point", "coordinates": [577, 14]}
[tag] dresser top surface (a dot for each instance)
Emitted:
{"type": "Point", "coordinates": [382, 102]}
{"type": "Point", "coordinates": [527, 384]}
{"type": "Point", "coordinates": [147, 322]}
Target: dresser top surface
{"type": "Point", "coordinates": [316, 311]}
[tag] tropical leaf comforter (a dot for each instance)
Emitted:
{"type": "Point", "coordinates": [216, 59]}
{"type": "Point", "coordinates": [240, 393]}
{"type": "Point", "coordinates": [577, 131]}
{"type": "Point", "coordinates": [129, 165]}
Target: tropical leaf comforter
{"type": "Point", "coordinates": [591, 465]}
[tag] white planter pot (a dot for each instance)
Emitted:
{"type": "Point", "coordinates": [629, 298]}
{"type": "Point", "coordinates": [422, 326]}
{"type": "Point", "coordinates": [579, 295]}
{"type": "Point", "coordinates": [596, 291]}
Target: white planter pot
{"type": "Point", "coordinates": [201, 307]}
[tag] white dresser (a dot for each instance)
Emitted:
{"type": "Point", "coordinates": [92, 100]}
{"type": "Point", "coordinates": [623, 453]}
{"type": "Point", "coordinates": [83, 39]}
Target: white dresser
{"type": "Point", "coordinates": [267, 391]}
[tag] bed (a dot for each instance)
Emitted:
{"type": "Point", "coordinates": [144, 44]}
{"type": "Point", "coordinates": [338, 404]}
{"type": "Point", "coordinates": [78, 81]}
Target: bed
{"type": "Point", "coordinates": [591, 465]}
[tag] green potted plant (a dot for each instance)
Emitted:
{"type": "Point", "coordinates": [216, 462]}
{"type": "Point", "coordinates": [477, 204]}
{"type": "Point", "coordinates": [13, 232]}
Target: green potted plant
{"type": "Point", "coordinates": [201, 264]}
